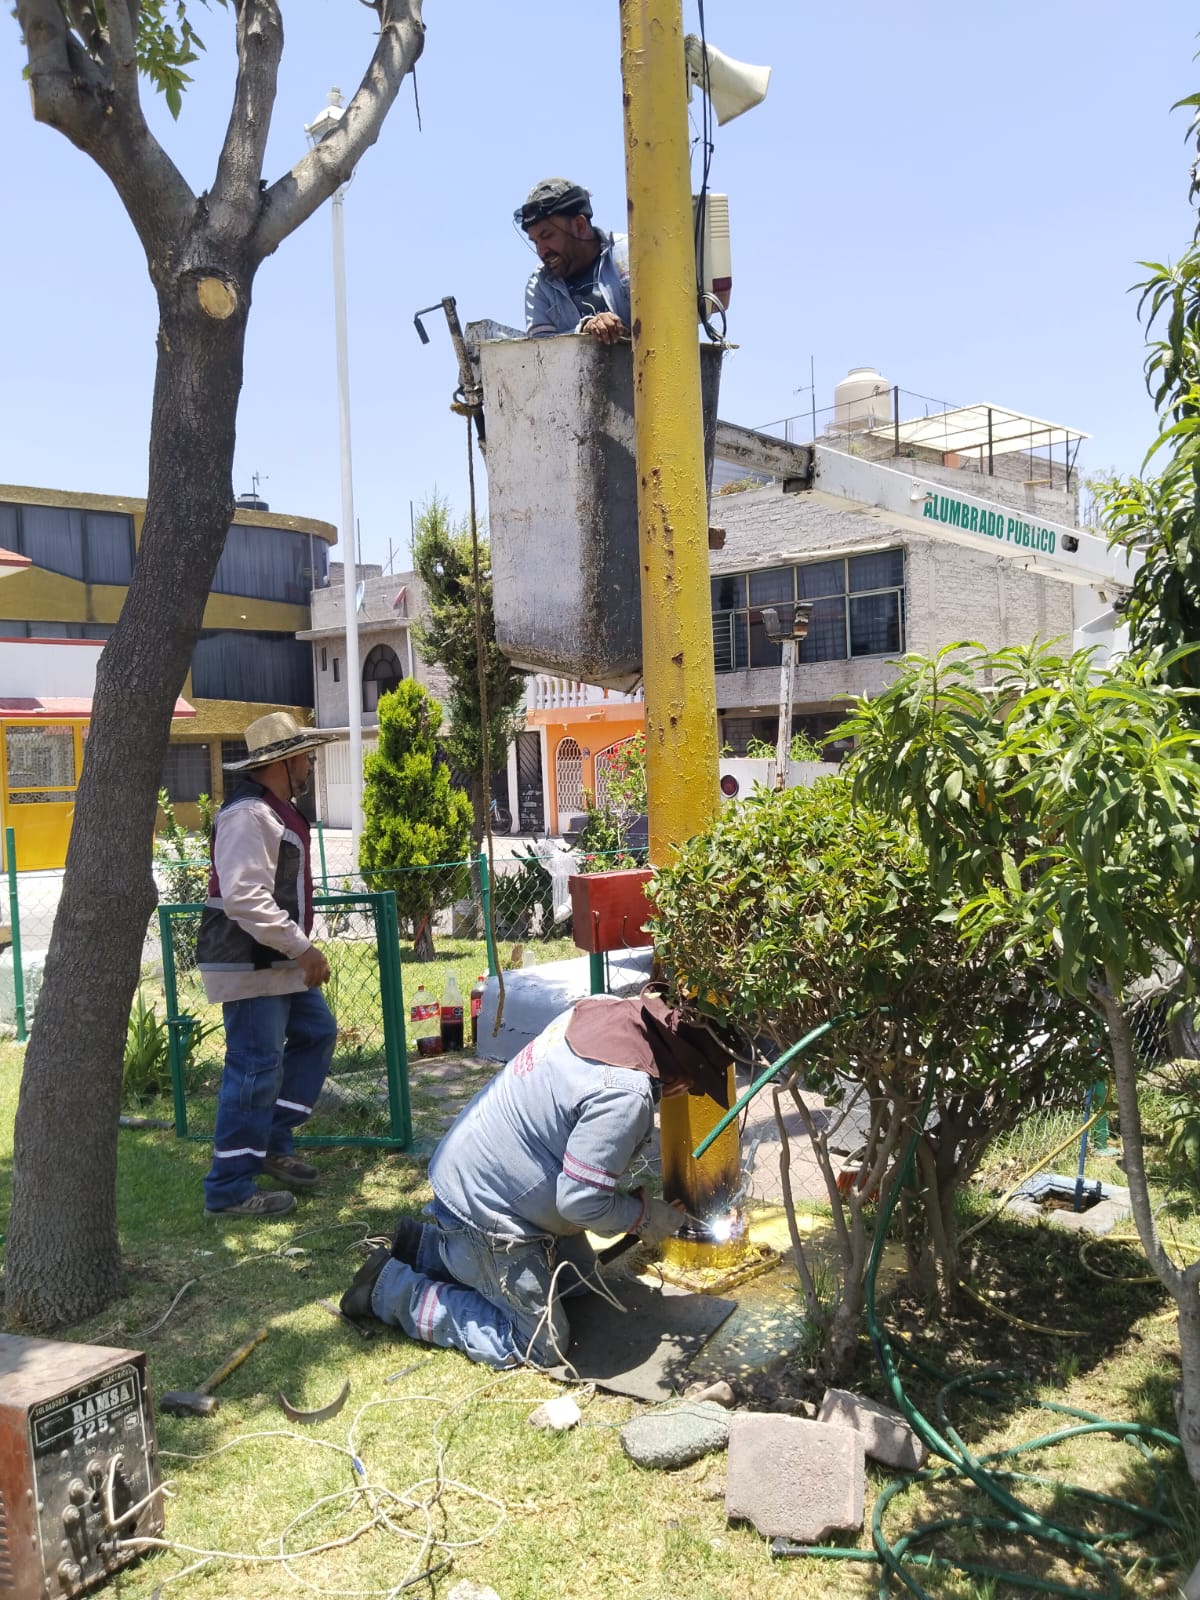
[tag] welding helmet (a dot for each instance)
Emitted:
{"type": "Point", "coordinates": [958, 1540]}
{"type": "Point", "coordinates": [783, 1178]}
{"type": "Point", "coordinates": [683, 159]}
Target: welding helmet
{"type": "Point", "coordinates": [553, 197]}
{"type": "Point", "coordinates": [697, 1052]}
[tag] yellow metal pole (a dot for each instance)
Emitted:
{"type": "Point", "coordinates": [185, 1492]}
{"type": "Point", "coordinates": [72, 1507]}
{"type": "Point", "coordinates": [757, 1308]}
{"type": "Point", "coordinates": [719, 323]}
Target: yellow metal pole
{"type": "Point", "coordinates": [677, 656]}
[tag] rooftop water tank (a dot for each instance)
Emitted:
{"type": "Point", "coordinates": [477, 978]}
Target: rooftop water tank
{"type": "Point", "coordinates": [562, 502]}
{"type": "Point", "coordinates": [863, 399]}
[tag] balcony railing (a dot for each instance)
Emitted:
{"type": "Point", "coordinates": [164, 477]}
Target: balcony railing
{"type": "Point", "coordinates": [549, 693]}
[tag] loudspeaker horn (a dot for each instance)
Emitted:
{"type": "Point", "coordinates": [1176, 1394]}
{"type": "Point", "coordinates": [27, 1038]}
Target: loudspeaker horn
{"type": "Point", "coordinates": [731, 86]}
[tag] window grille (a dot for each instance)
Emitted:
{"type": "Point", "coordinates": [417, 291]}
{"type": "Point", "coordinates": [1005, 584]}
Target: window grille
{"type": "Point", "coordinates": [858, 610]}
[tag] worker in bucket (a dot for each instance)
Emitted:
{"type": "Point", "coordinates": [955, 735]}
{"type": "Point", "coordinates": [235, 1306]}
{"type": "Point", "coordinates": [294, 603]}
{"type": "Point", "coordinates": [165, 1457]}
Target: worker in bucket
{"type": "Point", "coordinates": [256, 957]}
{"type": "Point", "coordinates": [534, 1160]}
{"type": "Point", "coordinates": [582, 285]}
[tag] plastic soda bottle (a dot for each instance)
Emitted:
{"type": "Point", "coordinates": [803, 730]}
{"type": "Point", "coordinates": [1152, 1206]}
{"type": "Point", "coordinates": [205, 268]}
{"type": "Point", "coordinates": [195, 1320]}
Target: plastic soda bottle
{"type": "Point", "coordinates": [423, 1017]}
{"type": "Point", "coordinates": [452, 1014]}
{"type": "Point", "coordinates": [477, 989]}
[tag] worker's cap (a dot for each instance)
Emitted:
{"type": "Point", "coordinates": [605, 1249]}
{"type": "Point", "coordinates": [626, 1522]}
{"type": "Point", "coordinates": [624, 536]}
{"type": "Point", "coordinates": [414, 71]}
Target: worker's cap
{"type": "Point", "coordinates": [275, 737]}
{"type": "Point", "coordinates": [553, 197]}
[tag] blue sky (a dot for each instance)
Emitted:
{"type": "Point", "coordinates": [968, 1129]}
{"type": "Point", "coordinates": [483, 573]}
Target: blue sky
{"type": "Point", "coordinates": [956, 195]}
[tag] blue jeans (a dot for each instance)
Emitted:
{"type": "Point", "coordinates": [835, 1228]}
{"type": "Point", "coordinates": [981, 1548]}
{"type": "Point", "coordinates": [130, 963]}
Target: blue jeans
{"type": "Point", "coordinates": [484, 1294]}
{"type": "Point", "coordinates": [278, 1048]}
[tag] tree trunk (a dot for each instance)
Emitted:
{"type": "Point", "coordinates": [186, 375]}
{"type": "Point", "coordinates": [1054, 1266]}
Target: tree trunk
{"type": "Point", "coordinates": [63, 1260]}
{"type": "Point", "coordinates": [1187, 1401]}
{"type": "Point", "coordinates": [1182, 1284]}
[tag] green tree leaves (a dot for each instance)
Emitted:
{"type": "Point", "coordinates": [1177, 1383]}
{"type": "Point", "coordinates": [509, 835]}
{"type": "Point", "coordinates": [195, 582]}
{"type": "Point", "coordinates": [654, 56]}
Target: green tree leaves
{"type": "Point", "coordinates": [443, 559]}
{"type": "Point", "coordinates": [413, 816]}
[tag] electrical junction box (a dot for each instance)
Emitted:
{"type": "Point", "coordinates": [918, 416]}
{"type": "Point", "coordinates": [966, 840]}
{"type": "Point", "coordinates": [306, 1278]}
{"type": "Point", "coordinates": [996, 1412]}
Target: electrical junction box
{"type": "Point", "coordinates": [79, 1471]}
{"type": "Point", "coordinates": [610, 909]}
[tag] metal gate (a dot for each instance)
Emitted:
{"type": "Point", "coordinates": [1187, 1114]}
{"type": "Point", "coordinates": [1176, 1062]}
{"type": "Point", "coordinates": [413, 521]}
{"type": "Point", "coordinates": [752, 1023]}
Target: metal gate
{"type": "Point", "coordinates": [568, 774]}
{"type": "Point", "coordinates": [531, 809]}
{"type": "Point", "coordinates": [604, 763]}
{"type": "Point", "coordinates": [335, 766]}
{"type": "Point", "coordinates": [365, 1100]}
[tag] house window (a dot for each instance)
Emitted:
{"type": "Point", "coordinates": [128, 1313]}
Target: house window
{"type": "Point", "coordinates": [381, 673]}
{"type": "Point", "coordinates": [91, 546]}
{"type": "Point", "coordinates": [337, 670]}
{"type": "Point", "coordinates": [11, 628]}
{"type": "Point", "coordinates": [857, 610]}
{"type": "Point", "coordinates": [241, 664]}
{"type": "Point", "coordinates": [187, 771]}
{"type": "Point", "coordinates": [324, 659]}
{"type": "Point", "coordinates": [271, 564]}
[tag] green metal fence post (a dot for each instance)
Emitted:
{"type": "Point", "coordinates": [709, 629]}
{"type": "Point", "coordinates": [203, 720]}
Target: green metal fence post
{"type": "Point", "coordinates": [485, 889]}
{"type": "Point", "coordinates": [171, 994]}
{"type": "Point", "coordinates": [391, 995]}
{"type": "Point", "coordinates": [14, 913]}
{"type": "Point", "coordinates": [321, 852]}
{"type": "Point", "coordinates": [596, 971]}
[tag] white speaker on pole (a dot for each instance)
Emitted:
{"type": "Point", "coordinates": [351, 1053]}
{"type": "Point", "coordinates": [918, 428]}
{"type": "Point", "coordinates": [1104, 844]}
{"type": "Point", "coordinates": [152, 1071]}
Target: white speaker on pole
{"type": "Point", "coordinates": [731, 86]}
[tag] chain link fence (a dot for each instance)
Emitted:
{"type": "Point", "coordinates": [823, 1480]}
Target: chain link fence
{"type": "Point", "coordinates": [366, 1096]}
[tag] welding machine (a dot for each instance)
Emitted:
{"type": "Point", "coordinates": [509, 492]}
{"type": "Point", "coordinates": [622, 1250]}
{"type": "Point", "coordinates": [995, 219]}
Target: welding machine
{"type": "Point", "coordinates": [78, 1465]}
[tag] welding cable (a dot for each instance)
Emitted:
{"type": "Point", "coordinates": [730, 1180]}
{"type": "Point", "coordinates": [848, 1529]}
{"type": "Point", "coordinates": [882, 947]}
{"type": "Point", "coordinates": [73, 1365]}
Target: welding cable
{"type": "Point", "coordinates": [597, 1286]}
{"type": "Point", "coordinates": [383, 1502]}
{"type": "Point", "coordinates": [989, 1474]}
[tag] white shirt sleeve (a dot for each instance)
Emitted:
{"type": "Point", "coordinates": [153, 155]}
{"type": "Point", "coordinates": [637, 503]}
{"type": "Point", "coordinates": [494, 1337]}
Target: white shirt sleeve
{"type": "Point", "coordinates": [246, 856]}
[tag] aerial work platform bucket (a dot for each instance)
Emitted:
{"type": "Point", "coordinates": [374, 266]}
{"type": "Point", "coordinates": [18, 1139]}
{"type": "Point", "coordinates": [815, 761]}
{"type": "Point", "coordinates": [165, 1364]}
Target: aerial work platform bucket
{"type": "Point", "coordinates": [562, 502]}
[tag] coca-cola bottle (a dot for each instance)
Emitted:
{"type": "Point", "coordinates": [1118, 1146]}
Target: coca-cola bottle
{"type": "Point", "coordinates": [423, 1018]}
{"type": "Point", "coordinates": [451, 1011]}
{"type": "Point", "coordinates": [477, 989]}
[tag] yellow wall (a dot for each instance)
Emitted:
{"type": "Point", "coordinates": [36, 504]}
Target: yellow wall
{"type": "Point", "coordinates": [37, 595]}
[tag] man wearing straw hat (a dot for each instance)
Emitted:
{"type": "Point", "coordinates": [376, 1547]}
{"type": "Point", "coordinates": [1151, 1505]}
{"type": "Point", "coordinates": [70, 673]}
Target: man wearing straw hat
{"type": "Point", "coordinates": [255, 957]}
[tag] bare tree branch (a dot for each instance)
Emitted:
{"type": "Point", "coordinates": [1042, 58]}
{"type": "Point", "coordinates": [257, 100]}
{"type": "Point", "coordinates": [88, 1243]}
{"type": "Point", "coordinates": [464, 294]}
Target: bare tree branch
{"type": "Point", "coordinates": [294, 198]}
{"type": "Point", "coordinates": [60, 75]}
{"type": "Point", "coordinates": [73, 94]}
{"type": "Point", "coordinates": [122, 36]}
{"type": "Point", "coordinates": [235, 199]}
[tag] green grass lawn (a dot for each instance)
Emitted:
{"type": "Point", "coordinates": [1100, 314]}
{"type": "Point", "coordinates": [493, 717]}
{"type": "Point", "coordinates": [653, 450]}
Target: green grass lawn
{"type": "Point", "coordinates": [446, 1450]}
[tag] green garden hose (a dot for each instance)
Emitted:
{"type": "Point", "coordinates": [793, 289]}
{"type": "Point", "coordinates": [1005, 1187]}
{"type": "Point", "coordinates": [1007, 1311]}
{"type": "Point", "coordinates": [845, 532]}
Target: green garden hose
{"type": "Point", "coordinates": [986, 1472]}
{"type": "Point", "coordinates": [990, 1476]}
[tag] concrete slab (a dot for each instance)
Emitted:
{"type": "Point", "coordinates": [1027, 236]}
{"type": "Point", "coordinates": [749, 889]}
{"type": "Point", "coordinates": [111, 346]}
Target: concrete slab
{"type": "Point", "coordinates": [666, 1439]}
{"type": "Point", "coordinates": [643, 1351]}
{"type": "Point", "coordinates": [534, 996]}
{"type": "Point", "coordinates": [792, 1478]}
{"type": "Point", "coordinates": [1109, 1204]}
{"type": "Point", "coordinates": [887, 1437]}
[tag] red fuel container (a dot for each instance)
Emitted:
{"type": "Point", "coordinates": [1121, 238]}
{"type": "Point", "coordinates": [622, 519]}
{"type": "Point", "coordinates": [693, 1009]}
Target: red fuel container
{"type": "Point", "coordinates": [610, 909]}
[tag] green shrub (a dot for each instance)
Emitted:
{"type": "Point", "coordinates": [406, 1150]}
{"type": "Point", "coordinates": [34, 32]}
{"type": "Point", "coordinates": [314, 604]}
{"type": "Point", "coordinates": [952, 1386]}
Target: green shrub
{"type": "Point", "coordinates": [147, 1070]}
{"type": "Point", "coordinates": [182, 857]}
{"type": "Point", "coordinates": [413, 815]}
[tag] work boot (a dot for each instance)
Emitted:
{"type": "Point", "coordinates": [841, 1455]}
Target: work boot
{"type": "Point", "coordinates": [356, 1302]}
{"type": "Point", "coordinates": [293, 1172]}
{"type": "Point", "coordinates": [406, 1240]}
{"type": "Point", "coordinates": [262, 1203]}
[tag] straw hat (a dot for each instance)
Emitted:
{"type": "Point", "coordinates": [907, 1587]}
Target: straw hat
{"type": "Point", "coordinates": [275, 737]}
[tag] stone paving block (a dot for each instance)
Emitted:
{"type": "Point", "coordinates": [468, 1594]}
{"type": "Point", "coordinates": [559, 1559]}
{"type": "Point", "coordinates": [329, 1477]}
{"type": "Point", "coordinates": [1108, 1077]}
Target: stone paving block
{"type": "Point", "coordinates": [792, 1478]}
{"type": "Point", "coordinates": [887, 1437]}
{"type": "Point", "coordinates": [675, 1438]}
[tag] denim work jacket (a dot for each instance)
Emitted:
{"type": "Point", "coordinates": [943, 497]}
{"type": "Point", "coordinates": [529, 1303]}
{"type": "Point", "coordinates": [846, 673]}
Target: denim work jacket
{"type": "Point", "coordinates": [549, 308]}
{"type": "Point", "coordinates": [540, 1150]}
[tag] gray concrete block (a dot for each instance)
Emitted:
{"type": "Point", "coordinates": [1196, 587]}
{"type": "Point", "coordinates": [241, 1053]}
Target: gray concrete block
{"type": "Point", "coordinates": [674, 1438]}
{"type": "Point", "coordinates": [791, 1478]}
{"type": "Point", "coordinates": [887, 1437]}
